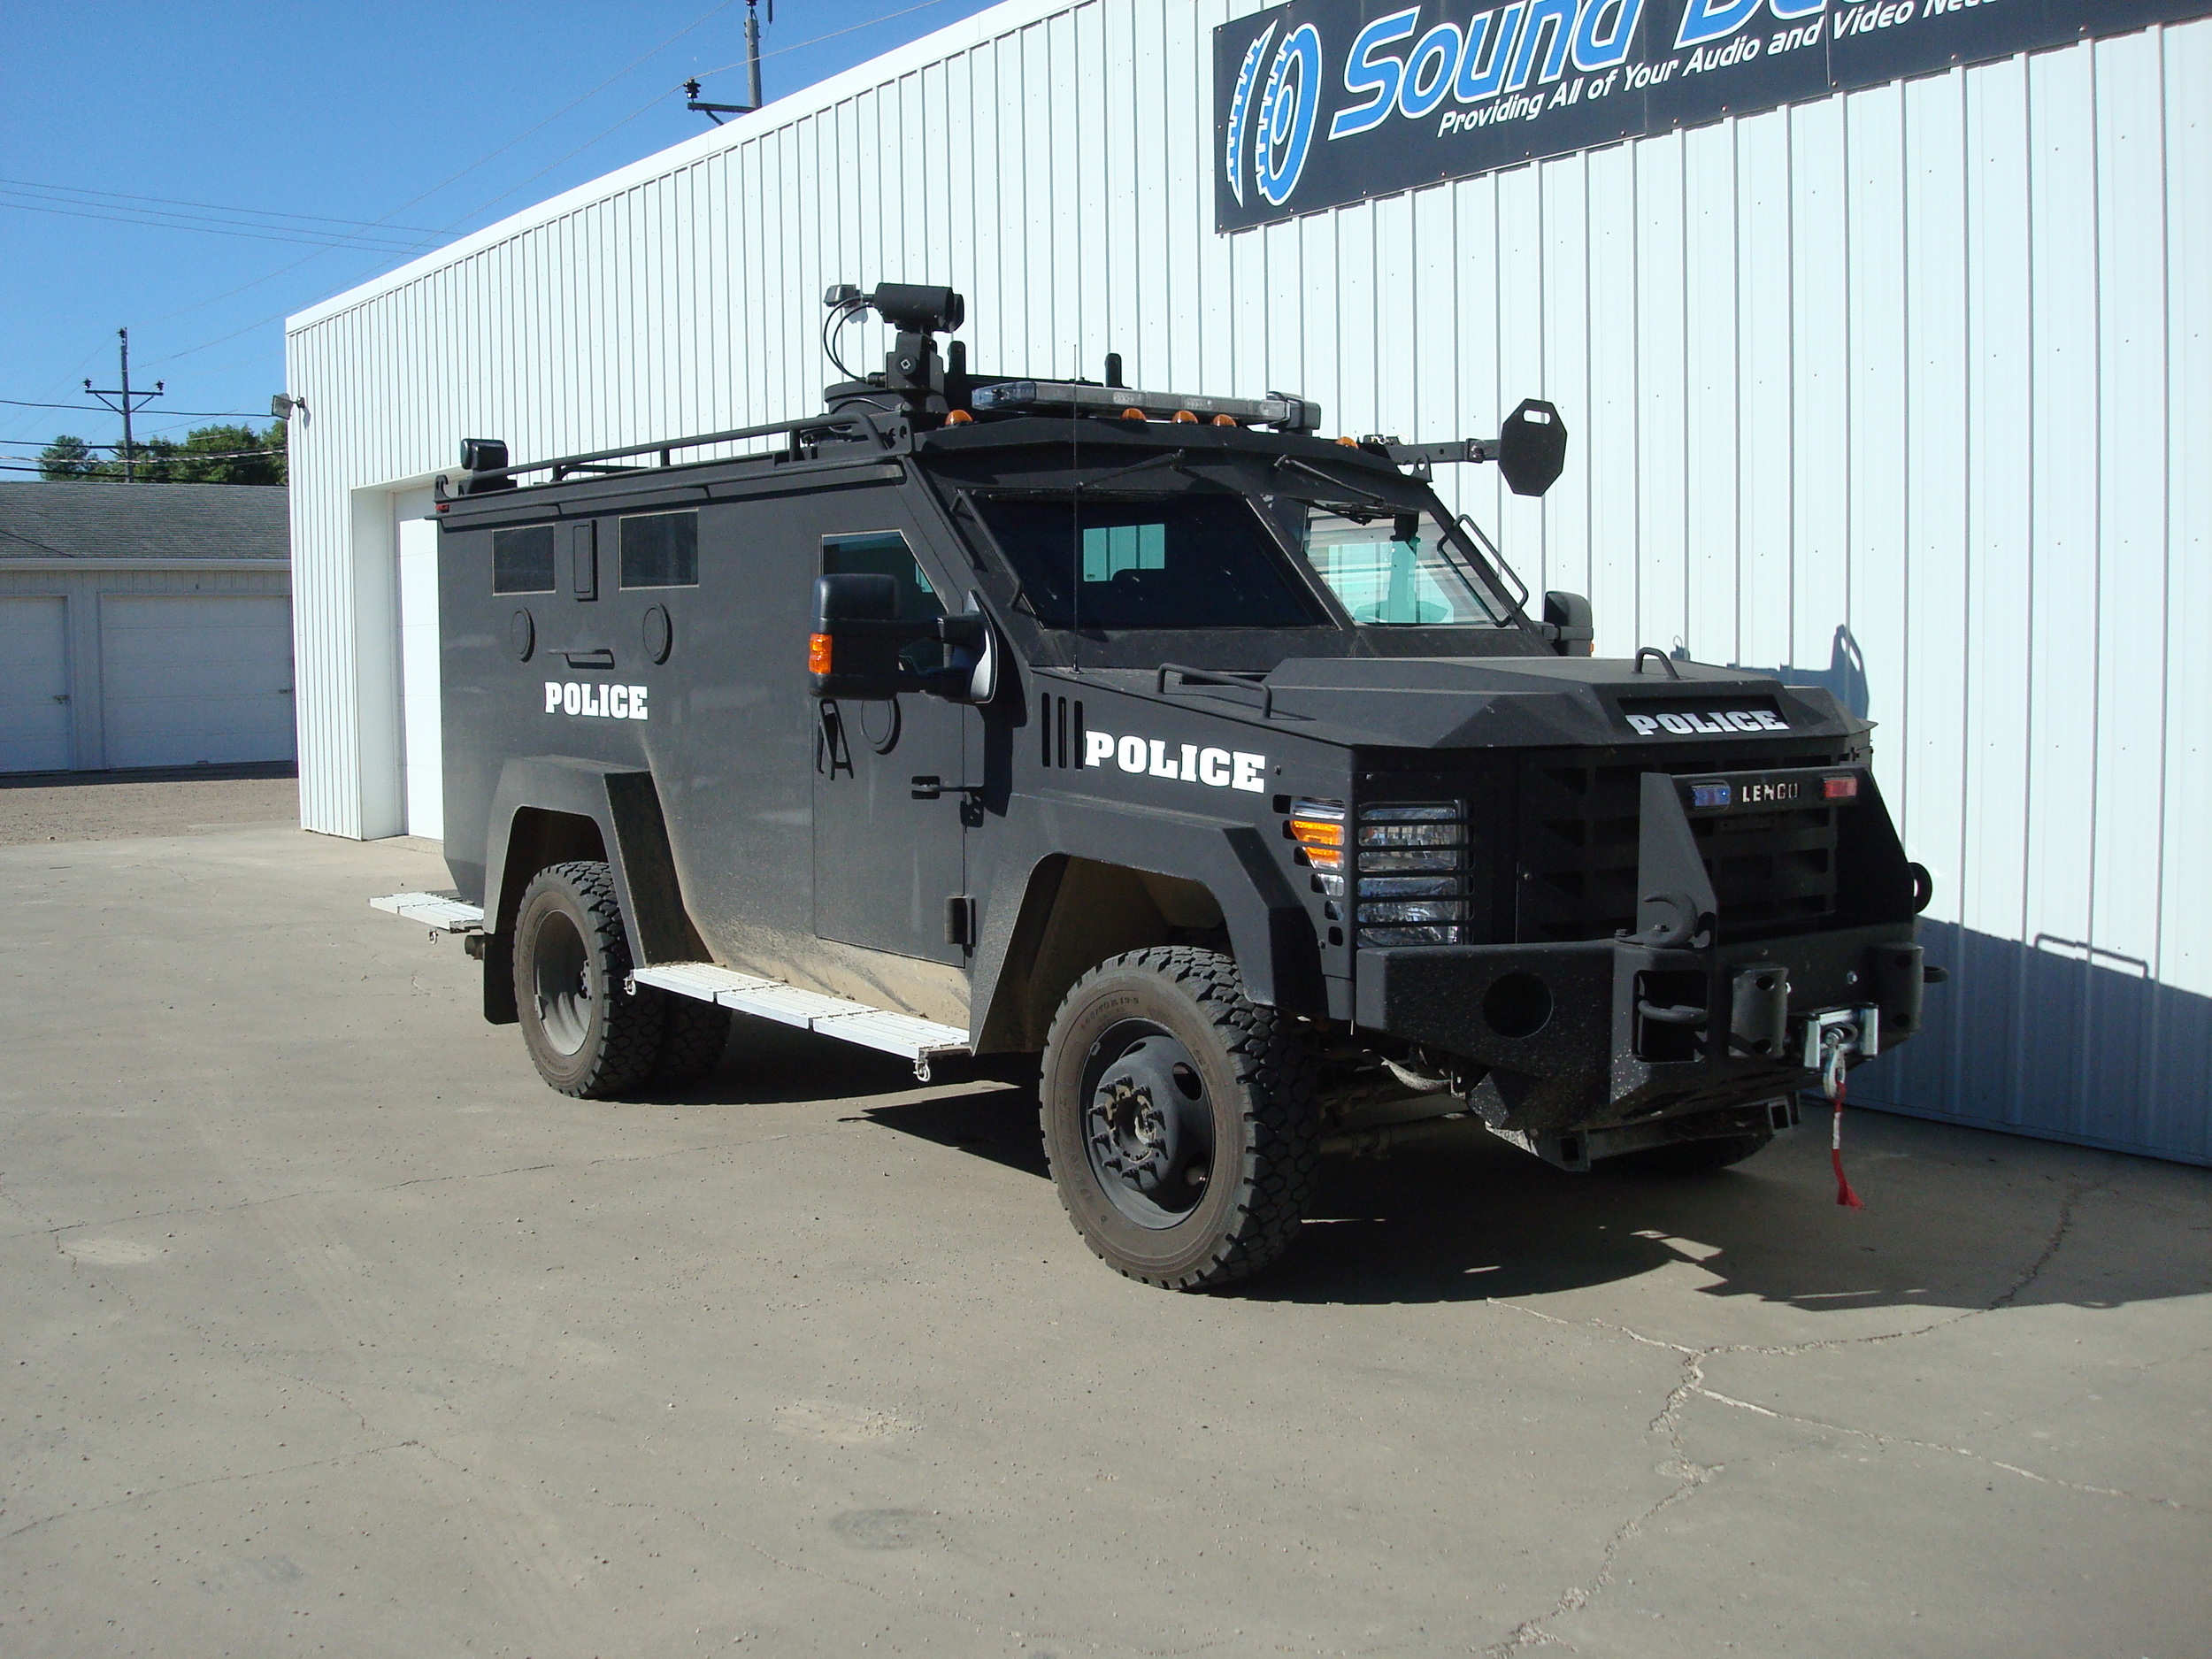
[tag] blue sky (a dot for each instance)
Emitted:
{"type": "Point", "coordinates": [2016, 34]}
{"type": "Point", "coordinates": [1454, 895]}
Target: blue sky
{"type": "Point", "coordinates": [322, 120]}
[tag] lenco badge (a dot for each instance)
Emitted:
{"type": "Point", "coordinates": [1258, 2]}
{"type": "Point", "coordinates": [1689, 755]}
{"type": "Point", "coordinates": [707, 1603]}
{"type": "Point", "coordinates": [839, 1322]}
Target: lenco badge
{"type": "Point", "coordinates": [1721, 722]}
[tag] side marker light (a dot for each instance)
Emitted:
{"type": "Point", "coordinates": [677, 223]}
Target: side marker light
{"type": "Point", "coordinates": [960, 417]}
{"type": "Point", "coordinates": [818, 654]}
{"type": "Point", "coordinates": [1839, 788]}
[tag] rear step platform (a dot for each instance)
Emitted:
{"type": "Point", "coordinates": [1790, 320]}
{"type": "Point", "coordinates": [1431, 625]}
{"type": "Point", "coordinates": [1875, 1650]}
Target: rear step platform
{"type": "Point", "coordinates": [919, 1040]}
{"type": "Point", "coordinates": [440, 911]}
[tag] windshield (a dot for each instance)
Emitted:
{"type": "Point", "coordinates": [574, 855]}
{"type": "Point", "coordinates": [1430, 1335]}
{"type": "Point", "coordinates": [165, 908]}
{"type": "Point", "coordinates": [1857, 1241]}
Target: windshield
{"type": "Point", "coordinates": [1196, 561]}
{"type": "Point", "coordinates": [1398, 571]}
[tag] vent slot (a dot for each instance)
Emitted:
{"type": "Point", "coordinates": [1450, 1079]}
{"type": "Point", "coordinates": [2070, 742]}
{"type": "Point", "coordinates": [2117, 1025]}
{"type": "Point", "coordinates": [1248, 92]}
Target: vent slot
{"type": "Point", "coordinates": [1059, 731]}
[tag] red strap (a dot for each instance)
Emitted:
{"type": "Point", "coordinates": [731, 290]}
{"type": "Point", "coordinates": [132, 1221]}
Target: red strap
{"type": "Point", "coordinates": [1843, 1195]}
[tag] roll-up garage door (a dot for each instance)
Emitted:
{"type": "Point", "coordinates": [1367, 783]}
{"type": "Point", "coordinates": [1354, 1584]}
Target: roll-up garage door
{"type": "Point", "coordinates": [33, 684]}
{"type": "Point", "coordinates": [186, 678]}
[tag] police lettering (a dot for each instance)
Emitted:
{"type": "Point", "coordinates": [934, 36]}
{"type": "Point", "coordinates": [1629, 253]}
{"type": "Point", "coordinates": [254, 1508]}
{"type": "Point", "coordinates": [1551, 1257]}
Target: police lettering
{"type": "Point", "coordinates": [605, 703]}
{"type": "Point", "coordinates": [1727, 723]}
{"type": "Point", "coordinates": [1185, 762]}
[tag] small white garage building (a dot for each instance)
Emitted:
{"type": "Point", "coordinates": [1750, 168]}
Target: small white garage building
{"type": "Point", "coordinates": [1886, 348]}
{"type": "Point", "coordinates": [144, 625]}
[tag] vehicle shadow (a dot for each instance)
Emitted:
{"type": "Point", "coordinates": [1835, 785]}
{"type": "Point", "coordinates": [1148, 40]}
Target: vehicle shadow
{"type": "Point", "coordinates": [1956, 1218]}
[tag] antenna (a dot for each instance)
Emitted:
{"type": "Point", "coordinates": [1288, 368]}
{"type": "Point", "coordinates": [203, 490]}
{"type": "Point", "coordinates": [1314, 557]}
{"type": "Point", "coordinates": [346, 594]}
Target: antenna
{"type": "Point", "coordinates": [715, 112]}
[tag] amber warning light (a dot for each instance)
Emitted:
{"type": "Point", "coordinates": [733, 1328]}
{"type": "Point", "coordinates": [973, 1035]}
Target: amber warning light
{"type": "Point", "coordinates": [818, 654]}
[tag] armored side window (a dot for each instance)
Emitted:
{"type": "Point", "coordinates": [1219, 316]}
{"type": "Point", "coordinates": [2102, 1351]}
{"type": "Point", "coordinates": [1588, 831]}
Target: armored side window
{"type": "Point", "coordinates": [522, 560]}
{"type": "Point", "coordinates": [661, 549]}
{"type": "Point", "coordinates": [885, 553]}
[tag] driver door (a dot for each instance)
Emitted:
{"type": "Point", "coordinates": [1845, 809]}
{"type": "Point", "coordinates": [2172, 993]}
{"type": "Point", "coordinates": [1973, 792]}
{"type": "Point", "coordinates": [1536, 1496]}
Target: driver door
{"type": "Point", "coordinates": [889, 777]}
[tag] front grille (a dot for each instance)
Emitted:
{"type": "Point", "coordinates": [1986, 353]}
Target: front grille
{"type": "Point", "coordinates": [1772, 872]}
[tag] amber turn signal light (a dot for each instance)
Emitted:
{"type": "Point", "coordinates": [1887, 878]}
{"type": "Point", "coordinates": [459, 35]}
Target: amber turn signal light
{"type": "Point", "coordinates": [818, 654]}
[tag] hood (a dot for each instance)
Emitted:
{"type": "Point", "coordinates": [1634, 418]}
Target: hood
{"type": "Point", "coordinates": [1536, 702]}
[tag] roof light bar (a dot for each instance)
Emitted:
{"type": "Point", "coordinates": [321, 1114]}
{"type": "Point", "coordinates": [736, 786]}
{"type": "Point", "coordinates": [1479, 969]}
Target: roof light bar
{"type": "Point", "coordinates": [1295, 414]}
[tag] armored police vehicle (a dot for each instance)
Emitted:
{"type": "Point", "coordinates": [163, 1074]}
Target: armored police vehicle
{"type": "Point", "coordinates": [1207, 758]}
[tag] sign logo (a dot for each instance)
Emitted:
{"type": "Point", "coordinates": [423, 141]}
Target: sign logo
{"type": "Point", "coordinates": [1323, 103]}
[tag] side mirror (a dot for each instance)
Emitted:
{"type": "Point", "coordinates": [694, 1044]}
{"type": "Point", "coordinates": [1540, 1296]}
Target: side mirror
{"type": "Point", "coordinates": [1531, 447]}
{"type": "Point", "coordinates": [1567, 621]}
{"type": "Point", "coordinates": [854, 650]}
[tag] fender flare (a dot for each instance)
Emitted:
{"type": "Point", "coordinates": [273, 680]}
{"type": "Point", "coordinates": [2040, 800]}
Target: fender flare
{"type": "Point", "coordinates": [624, 805]}
{"type": "Point", "coordinates": [1271, 930]}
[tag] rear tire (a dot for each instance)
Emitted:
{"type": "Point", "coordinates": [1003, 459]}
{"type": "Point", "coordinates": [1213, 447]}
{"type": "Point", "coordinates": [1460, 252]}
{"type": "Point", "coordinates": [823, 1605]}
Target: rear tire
{"type": "Point", "coordinates": [1180, 1118]}
{"type": "Point", "coordinates": [693, 1036]}
{"type": "Point", "coordinates": [586, 1033]}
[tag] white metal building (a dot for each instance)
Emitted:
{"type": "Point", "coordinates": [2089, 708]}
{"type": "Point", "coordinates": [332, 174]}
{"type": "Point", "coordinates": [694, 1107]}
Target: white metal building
{"type": "Point", "coordinates": [1894, 391]}
{"type": "Point", "coordinates": [143, 625]}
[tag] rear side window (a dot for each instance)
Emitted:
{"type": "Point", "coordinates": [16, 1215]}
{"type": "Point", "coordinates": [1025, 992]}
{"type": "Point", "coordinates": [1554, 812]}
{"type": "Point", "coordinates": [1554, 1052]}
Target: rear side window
{"type": "Point", "coordinates": [661, 549]}
{"type": "Point", "coordinates": [522, 560]}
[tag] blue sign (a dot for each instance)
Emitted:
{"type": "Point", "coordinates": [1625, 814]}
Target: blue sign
{"type": "Point", "coordinates": [1321, 102]}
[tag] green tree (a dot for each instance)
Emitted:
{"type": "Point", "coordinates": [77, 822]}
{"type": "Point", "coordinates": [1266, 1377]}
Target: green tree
{"type": "Point", "coordinates": [66, 459]}
{"type": "Point", "coordinates": [208, 455]}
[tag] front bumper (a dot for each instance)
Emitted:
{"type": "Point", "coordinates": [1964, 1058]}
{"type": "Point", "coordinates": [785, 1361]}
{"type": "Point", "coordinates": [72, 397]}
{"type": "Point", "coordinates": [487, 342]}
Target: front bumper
{"type": "Point", "coordinates": [1606, 1033]}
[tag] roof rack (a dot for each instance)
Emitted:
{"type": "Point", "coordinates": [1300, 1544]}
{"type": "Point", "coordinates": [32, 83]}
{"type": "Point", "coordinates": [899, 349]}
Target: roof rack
{"type": "Point", "coordinates": [485, 460]}
{"type": "Point", "coordinates": [1277, 409]}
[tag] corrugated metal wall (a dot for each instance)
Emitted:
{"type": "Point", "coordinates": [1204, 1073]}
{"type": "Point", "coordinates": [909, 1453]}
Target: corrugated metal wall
{"type": "Point", "coordinates": [1895, 393]}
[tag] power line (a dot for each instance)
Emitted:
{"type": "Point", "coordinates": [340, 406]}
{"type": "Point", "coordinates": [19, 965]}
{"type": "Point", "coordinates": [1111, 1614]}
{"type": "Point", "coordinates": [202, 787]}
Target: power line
{"type": "Point", "coordinates": [180, 452]}
{"type": "Point", "coordinates": [231, 414]}
{"type": "Point", "coordinates": [855, 28]}
{"type": "Point", "coordinates": [205, 230]}
{"type": "Point", "coordinates": [71, 190]}
{"type": "Point", "coordinates": [703, 17]}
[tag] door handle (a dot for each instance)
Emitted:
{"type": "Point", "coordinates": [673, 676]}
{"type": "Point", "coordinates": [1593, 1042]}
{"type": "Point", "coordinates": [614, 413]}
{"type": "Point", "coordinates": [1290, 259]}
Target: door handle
{"type": "Point", "coordinates": [930, 789]}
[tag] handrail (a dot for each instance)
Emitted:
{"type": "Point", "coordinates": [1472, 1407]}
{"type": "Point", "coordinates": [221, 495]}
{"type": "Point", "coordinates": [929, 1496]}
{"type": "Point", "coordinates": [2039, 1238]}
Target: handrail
{"type": "Point", "coordinates": [662, 447]}
{"type": "Point", "coordinates": [1207, 677]}
{"type": "Point", "coordinates": [1665, 661]}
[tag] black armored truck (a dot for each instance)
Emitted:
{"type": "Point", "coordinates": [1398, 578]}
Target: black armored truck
{"type": "Point", "coordinates": [1209, 761]}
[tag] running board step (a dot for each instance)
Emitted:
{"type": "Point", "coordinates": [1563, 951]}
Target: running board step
{"type": "Point", "coordinates": [919, 1040]}
{"type": "Point", "coordinates": [440, 911]}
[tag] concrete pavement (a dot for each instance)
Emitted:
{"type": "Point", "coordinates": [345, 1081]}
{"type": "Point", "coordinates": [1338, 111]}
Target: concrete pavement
{"type": "Point", "coordinates": [325, 1328]}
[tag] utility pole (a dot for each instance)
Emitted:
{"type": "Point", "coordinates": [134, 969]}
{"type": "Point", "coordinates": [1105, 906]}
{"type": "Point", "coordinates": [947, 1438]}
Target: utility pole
{"type": "Point", "coordinates": [128, 405]}
{"type": "Point", "coordinates": [715, 112]}
{"type": "Point", "coordinates": [752, 49]}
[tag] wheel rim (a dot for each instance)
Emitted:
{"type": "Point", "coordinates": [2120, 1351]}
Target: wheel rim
{"type": "Point", "coordinates": [1148, 1124]}
{"type": "Point", "coordinates": [561, 975]}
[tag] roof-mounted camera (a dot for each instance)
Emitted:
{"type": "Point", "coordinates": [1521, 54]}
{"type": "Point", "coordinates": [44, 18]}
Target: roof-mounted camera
{"type": "Point", "coordinates": [928, 384]}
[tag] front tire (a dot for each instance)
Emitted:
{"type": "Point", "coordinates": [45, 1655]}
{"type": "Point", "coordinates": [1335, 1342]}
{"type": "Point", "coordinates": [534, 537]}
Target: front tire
{"type": "Point", "coordinates": [586, 1033]}
{"type": "Point", "coordinates": [1180, 1118]}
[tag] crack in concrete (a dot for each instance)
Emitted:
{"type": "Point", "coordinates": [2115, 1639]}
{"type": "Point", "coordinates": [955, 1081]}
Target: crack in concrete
{"type": "Point", "coordinates": [1689, 1477]}
{"type": "Point", "coordinates": [152, 1492]}
{"type": "Point", "coordinates": [1880, 1439]}
{"type": "Point", "coordinates": [1692, 1476]}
